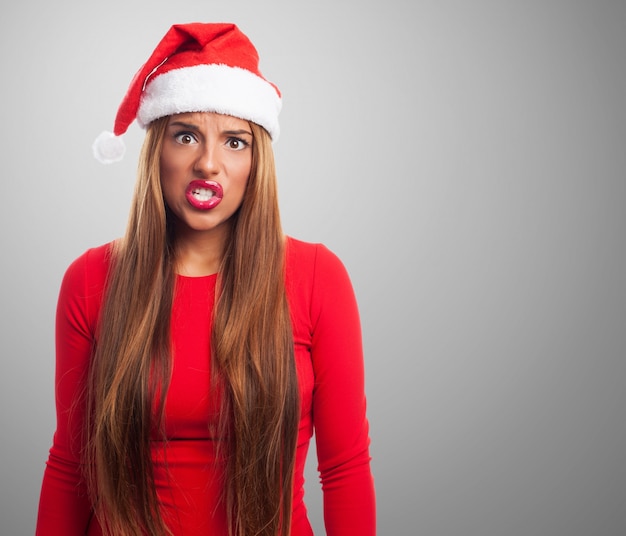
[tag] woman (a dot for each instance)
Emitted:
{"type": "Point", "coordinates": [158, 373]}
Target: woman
{"type": "Point", "coordinates": [196, 355]}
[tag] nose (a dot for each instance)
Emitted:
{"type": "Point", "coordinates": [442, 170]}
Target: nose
{"type": "Point", "coordinates": [208, 161]}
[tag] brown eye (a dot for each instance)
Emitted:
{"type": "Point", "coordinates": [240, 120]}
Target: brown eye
{"type": "Point", "coordinates": [236, 144]}
{"type": "Point", "coordinates": [185, 138]}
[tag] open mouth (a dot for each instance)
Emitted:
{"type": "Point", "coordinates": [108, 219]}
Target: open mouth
{"type": "Point", "coordinates": [204, 195]}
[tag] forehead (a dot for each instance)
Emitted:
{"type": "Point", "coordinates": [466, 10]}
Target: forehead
{"type": "Point", "coordinates": [208, 119]}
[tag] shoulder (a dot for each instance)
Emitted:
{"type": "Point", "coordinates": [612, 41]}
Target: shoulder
{"type": "Point", "coordinates": [81, 292]}
{"type": "Point", "coordinates": [310, 258]}
{"type": "Point", "coordinates": [95, 258]}
{"type": "Point", "coordinates": [88, 272]}
{"type": "Point", "coordinates": [321, 296]}
{"type": "Point", "coordinates": [314, 271]}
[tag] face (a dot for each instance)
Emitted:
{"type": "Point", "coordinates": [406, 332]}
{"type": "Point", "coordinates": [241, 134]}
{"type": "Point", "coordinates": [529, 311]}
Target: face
{"type": "Point", "coordinates": [205, 164]}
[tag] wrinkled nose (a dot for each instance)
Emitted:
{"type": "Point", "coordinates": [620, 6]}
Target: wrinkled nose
{"type": "Point", "coordinates": [208, 161]}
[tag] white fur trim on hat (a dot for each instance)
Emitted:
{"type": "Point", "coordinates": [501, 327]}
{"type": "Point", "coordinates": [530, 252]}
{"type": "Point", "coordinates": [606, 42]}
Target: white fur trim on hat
{"type": "Point", "coordinates": [212, 88]}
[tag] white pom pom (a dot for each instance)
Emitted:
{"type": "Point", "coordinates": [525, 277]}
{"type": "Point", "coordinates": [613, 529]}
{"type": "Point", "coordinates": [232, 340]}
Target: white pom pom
{"type": "Point", "coordinates": [108, 148]}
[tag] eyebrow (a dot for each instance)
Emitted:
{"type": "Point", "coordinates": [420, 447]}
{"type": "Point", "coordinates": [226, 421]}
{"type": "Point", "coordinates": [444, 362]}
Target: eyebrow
{"type": "Point", "coordinates": [191, 126]}
{"type": "Point", "coordinates": [237, 132]}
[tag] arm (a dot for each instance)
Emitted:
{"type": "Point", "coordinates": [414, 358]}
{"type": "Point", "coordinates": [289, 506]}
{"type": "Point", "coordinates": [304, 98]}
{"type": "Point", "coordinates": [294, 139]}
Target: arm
{"type": "Point", "coordinates": [64, 507]}
{"type": "Point", "coordinates": [341, 427]}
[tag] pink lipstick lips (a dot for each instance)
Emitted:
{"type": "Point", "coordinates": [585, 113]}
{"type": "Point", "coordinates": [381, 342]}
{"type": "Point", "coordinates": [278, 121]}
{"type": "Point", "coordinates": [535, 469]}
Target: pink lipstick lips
{"type": "Point", "coordinates": [204, 195]}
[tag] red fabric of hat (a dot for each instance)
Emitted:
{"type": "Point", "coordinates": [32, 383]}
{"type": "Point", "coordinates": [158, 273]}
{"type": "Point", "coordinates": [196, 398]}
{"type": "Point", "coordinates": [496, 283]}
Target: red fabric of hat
{"type": "Point", "coordinates": [196, 67]}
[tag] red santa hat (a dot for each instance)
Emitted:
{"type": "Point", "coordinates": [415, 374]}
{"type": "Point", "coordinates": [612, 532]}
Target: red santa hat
{"type": "Point", "coordinates": [196, 67]}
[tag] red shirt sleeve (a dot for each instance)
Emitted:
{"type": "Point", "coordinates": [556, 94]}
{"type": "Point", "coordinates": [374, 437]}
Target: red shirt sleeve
{"type": "Point", "coordinates": [339, 405]}
{"type": "Point", "coordinates": [64, 507]}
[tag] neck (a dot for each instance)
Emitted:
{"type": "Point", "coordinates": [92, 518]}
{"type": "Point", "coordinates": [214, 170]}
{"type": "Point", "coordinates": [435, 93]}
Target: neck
{"type": "Point", "coordinates": [199, 253]}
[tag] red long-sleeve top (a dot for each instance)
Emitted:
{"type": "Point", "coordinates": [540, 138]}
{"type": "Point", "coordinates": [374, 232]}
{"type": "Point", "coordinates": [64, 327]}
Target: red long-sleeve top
{"type": "Point", "coordinates": [329, 358]}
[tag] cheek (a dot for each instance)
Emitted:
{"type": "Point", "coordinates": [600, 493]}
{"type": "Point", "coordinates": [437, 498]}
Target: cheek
{"type": "Point", "coordinates": [167, 167]}
{"type": "Point", "coordinates": [173, 161]}
{"type": "Point", "coordinates": [243, 175]}
{"type": "Point", "coordinates": [170, 170]}
{"type": "Point", "coordinates": [241, 184]}
{"type": "Point", "coordinates": [168, 184]}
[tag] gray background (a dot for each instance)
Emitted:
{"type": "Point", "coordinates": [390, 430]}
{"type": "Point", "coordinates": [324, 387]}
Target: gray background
{"type": "Point", "coordinates": [467, 162]}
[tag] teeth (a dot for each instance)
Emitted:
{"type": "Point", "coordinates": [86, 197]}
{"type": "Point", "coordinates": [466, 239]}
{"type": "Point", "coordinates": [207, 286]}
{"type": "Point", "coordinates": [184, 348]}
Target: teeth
{"type": "Point", "coordinates": [203, 194]}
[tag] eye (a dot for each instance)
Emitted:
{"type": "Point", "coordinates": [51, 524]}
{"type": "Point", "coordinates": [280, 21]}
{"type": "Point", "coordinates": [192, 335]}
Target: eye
{"type": "Point", "coordinates": [185, 138]}
{"type": "Point", "coordinates": [236, 144]}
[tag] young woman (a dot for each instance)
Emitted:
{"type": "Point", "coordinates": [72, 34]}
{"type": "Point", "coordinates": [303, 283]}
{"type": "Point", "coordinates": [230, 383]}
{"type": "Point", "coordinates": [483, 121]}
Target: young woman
{"type": "Point", "coordinates": [197, 354]}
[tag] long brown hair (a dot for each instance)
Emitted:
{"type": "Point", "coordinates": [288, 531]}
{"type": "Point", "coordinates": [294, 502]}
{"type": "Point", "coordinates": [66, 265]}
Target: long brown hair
{"type": "Point", "coordinates": [252, 359]}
